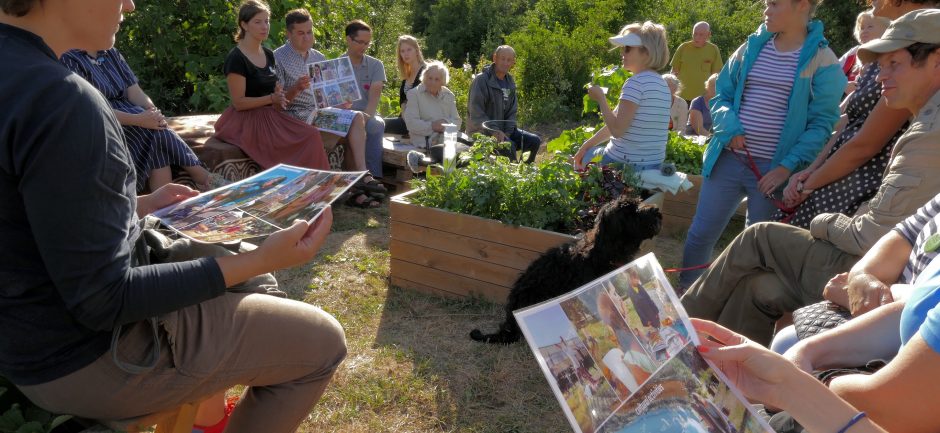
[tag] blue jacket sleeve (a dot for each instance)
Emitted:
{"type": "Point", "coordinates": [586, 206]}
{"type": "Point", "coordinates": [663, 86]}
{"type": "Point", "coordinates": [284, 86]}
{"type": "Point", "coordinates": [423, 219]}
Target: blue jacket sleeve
{"type": "Point", "coordinates": [822, 114]}
{"type": "Point", "coordinates": [725, 122]}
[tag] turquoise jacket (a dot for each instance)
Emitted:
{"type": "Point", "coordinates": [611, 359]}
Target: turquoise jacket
{"type": "Point", "coordinates": [813, 104]}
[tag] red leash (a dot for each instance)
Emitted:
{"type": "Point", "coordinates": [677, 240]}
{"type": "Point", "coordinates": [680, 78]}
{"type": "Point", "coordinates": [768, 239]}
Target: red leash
{"type": "Point", "coordinates": [691, 268]}
{"type": "Point", "coordinates": [789, 212]}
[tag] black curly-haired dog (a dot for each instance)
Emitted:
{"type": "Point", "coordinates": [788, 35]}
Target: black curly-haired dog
{"type": "Point", "coordinates": [619, 229]}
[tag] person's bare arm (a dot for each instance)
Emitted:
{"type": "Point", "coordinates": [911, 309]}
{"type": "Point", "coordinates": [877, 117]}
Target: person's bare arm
{"type": "Point", "coordinates": [375, 95]}
{"type": "Point", "coordinates": [901, 397]}
{"type": "Point", "coordinates": [882, 124]}
{"type": "Point", "coordinates": [695, 119]}
{"type": "Point", "coordinates": [870, 280]}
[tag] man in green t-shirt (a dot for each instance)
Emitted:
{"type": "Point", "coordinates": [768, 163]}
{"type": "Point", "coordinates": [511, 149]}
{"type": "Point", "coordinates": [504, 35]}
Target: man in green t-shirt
{"type": "Point", "coordinates": [695, 61]}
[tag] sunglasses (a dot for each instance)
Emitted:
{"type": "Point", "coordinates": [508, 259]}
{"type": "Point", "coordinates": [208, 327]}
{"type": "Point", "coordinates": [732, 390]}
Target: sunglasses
{"type": "Point", "coordinates": [363, 43]}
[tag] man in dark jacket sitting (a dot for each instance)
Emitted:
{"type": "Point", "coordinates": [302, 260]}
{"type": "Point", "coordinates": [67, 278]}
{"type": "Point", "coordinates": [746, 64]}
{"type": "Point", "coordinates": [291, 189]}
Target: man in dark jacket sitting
{"type": "Point", "coordinates": [493, 97]}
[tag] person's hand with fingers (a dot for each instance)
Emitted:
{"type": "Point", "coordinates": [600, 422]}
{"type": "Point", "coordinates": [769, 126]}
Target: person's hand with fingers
{"type": "Point", "coordinates": [866, 292]}
{"type": "Point", "coordinates": [303, 83]}
{"type": "Point", "coordinates": [755, 370]}
{"type": "Point", "coordinates": [596, 93]}
{"type": "Point", "coordinates": [164, 196]}
{"type": "Point", "coordinates": [278, 98]}
{"type": "Point", "coordinates": [578, 159]}
{"type": "Point", "coordinates": [773, 179]}
{"type": "Point", "coordinates": [737, 142]}
{"type": "Point", "coordinates": [790, 193]}
{"type": "Point", "coordinates": [438, 125]}
{"type": "Point", "coordinates": [500, 136]}
{"type": "Point", "coordinates": [150, 119]}
{"type": "Point", "coordinates": [836, 290]}
{"type": "Point", "coordinates": [297, 244]}
{"type": "Point", "coordinates": [800, 356]}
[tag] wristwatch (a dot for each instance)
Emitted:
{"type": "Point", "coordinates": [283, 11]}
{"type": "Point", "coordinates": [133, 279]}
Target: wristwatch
{"type": "Point", "coordinates": [801, 190]}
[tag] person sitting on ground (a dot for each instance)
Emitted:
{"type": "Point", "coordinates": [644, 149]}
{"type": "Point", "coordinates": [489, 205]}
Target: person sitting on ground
{"type": "Point", "coordinates": [432, 106]}
{"type": "Point", "coordinates": [700, 117]}
{"type": "Point", "coordinates": [636, 131]}
{"type": "Point", "coordinates": [679, 110]}
{"type": "Point", "coordinates": [292, 59]}
{"type": "Point", "coordinates": [370, 77]}
{"type": "Point", "coordinates": [848, 171]}
{"type": "Point", "coordinates": [256, 122]}
{"type": "Point", "coordinates": [493, 99]}
{"type": "Point", "coordinates": [772, 269]}
{"type": "Point", "coordinates": [154, 147]}
{"type": "Point", "coordinates": [768, 123]}
{"type": "Point", "coordinates": [695, 60]}
{"type": "Point", "coordinates": [90, 325]}
{"type": "Point", "coordinates": [410, 67]}
{"type": "Point", "coordinates": [867, 27]}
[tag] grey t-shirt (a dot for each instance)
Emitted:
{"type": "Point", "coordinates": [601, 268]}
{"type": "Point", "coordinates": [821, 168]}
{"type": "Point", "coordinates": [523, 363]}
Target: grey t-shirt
{"type": "Point", "coordinates": [368, 72]}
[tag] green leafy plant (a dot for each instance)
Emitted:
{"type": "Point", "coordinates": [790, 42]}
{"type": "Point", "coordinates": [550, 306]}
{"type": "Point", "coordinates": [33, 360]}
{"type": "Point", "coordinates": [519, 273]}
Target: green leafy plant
{"type": "Point", "coordinates": [686, 154]}
{"type": "Point", "coordinates": [612, 78]}
{"type": "Point", "coordinates": [570, 140]}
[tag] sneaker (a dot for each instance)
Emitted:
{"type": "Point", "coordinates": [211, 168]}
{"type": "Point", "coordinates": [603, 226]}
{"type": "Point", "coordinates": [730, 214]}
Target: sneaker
{"type": "Point", "coordinates": [219, 427]}
{"type": "Point", "coordinates": [417, 161]}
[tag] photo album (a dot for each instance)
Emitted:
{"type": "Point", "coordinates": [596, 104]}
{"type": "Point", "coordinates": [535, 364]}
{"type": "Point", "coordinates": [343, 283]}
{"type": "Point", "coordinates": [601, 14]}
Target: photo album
{"type": "Point", "coordinates": [619, 354]}
{"type": "Point", "coordinates": [257, 206]}
{"type": "Point", "coordinates": [333, 83]}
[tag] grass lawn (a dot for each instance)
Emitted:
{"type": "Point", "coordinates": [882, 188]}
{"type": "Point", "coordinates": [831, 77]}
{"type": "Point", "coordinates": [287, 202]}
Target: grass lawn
{"type": "Point", "coordinates": [411, 365]}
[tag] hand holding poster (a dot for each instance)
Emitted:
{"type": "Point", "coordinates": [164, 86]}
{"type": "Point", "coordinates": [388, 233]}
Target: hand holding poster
{"type": "Point", "coordinates": [619, 354]}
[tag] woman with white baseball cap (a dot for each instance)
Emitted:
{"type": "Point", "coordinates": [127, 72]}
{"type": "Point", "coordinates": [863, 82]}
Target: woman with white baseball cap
{"type": "Point", "coordinates": [637, 129]}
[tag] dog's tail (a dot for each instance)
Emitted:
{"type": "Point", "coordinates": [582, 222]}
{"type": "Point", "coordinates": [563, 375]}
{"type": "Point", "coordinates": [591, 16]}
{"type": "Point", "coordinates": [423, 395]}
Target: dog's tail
{"type": "Point", "coordinates": [503, 336]}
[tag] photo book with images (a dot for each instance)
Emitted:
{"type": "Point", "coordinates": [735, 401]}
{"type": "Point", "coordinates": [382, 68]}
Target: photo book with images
{"type": "Point", "coordinates": [259, 205]}
{"type": "Point", "coordinates": [619, 354]}
{"type": "Point", "coordinates": [333, 83]}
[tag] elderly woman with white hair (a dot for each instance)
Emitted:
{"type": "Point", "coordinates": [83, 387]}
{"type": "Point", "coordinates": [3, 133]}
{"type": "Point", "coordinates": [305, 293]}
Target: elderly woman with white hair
{"type": "Point", "coordinates": [431, 105]}
{"type": "Point", "coordinates": [679, 110]}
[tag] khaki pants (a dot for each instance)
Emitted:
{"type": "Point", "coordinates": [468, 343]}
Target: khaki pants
{"type": "Point", "coordinates": [285, 352]}
{"type": "Point", "coordinates": [768, 270]}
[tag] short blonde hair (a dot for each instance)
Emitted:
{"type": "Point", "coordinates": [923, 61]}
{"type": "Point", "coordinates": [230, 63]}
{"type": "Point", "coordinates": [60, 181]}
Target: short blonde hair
{"type": "Point", "coordinates": [436, 65]}
{"type": "Point", "coordinates": [712, 79]}
{"type": "Point", "coordinates": [653, 37]}
{"type": "Point", "coordinates": [673, 82]}
{"type": "Point", "coordinates": [869, 15]}
{"type": "Point", "coordinates": [404, 69]}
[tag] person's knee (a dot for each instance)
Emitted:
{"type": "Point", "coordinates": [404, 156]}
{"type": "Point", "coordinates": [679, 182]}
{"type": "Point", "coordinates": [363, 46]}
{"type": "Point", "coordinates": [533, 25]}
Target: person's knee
{"type": "Point", "coordinates": [375, 125]}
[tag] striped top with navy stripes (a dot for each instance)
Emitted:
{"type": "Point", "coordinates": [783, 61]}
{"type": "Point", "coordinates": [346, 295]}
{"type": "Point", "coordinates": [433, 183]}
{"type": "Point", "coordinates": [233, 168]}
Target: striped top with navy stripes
{"type": "Point", "coordinates": [764, 104]}
{"type": "Point", "coordinates": [645, 140]}
{"type": "Point", "coordinates": [916, 229]}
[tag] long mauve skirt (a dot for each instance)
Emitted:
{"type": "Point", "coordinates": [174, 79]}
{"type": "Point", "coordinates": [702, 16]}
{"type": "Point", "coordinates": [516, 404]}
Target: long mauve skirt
{"type": "Point", "coordinates": [270, 137]}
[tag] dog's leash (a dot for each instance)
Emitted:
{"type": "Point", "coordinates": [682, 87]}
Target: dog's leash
{"type": "Point", "coordinates": [788, 212]}
{"type": "Point", "coordinates": [690, 268]}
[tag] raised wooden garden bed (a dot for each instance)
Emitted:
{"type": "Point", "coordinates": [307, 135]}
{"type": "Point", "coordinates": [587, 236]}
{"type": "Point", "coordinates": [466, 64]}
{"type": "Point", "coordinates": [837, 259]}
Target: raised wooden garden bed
{"type": "Point", "coordinates": [456, 255]}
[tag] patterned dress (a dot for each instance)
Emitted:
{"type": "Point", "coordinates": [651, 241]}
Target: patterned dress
{"type": "Point", "coordinates": [150, 148]}
{"type": "Point", "coordinates": [848, 193]}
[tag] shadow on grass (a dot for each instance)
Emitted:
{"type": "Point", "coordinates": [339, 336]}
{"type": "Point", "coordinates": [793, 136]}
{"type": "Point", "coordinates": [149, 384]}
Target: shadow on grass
{"type": "Point", "coordinates": [485, 388]}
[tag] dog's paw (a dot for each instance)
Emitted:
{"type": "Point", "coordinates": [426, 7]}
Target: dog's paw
{"type": "Point", "coordinates": [476, 335]}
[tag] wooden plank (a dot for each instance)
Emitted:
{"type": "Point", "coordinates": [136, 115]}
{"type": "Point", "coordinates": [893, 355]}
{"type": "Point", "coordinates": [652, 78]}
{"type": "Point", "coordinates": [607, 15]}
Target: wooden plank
{"type": "Point", "coordinates": [418, 287]}
{"type": "Point", "coordinates": [457, 243]}
{"type": "Point", "coordinates": [446, 282]}
{"type": "Point", "coordinates": [685, 210]}
{"type": "Point", "coordinates": [395, 152]}
{"type": "Point", "coordinates": [474, 227]}
{"type": "Point", "coordinates": [454, 264]}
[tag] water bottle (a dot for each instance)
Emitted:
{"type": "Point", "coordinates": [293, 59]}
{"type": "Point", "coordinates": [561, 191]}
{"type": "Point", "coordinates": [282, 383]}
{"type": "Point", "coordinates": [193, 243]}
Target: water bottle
{"type": "Point", "coordinates": [450, 140]}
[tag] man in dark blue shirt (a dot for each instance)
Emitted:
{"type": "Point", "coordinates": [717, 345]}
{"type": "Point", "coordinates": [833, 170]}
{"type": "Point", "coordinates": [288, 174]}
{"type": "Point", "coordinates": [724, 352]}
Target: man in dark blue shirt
{"type": "Point", "coordinates": [72, 274]}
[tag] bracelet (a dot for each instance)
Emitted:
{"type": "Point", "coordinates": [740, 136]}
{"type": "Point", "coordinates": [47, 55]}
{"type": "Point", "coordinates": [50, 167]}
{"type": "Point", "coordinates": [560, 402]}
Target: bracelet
{"type": "Point", "coordinates": [858, 417]}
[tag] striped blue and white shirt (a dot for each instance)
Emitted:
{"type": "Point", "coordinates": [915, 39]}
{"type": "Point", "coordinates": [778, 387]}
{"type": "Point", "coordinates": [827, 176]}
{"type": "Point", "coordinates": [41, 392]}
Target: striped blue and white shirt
{"type": "Point", "coordinates": [645, 141]}
{"type": "Point", "coordinates": [766, 98]}
{"type": "Point", "coordinates": [917, 229]}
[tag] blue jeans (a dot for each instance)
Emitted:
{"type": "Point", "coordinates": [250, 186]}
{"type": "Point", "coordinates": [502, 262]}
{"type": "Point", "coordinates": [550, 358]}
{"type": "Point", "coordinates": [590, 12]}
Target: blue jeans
{"type": "Point", "coordinates": [526, 142]}
{"type": "Point", "coordinates": [607, 160]}
{"type": "Point", "coordinates": [375, 129]}
{"type": "Point", "coordinates": [721, 194]}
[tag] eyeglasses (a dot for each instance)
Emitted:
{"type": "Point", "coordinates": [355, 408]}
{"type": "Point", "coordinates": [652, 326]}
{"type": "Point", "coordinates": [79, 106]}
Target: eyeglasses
{"type": "Point", "coordinates": [363, 43]}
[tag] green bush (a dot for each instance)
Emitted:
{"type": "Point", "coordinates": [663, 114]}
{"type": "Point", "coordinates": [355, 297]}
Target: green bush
{"type": "Point", "coordinates": [687, 155]}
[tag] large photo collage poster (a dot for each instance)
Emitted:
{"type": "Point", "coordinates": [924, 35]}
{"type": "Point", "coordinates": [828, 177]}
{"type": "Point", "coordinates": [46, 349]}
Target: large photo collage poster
{"type": "Point", "coordinates": [257, 206]}
{"type": "Point", "coordinates": [619, 354]}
